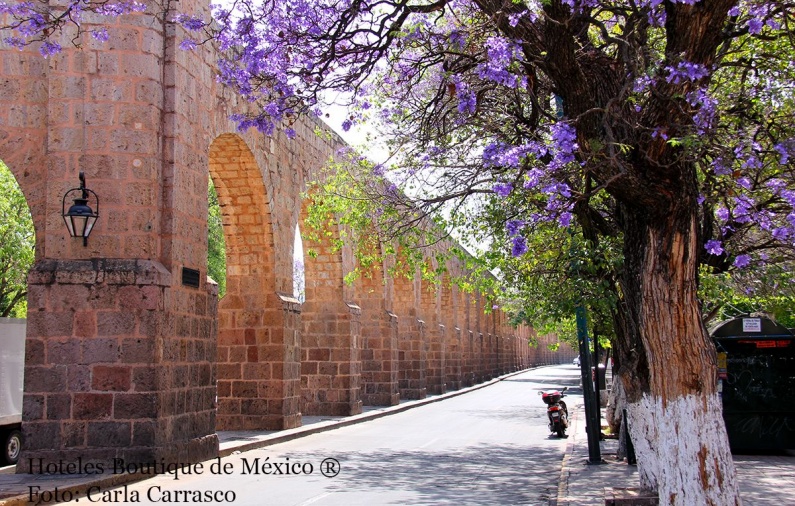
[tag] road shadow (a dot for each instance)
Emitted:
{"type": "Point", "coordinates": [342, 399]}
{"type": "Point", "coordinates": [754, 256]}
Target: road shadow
{"type": "Point", "coordinates": [482, 474]}
{"type": "Point", "coordinates": [562, 381]}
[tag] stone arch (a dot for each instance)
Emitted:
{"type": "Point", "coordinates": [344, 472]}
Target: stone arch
{"type": "Point", "coordinates": [330, 354]}
{"type": "Point", "coordinates": [255, 347]}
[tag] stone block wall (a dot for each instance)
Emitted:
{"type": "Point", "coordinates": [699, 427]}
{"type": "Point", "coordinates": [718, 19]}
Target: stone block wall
{"type": "Point", "coordinates": [110, 372]}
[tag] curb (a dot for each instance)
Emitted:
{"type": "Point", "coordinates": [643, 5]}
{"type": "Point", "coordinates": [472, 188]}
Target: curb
{"type": "Point", "coordinates": [47, 482]}
{"type": "Point", "coordinates": [563, 480]}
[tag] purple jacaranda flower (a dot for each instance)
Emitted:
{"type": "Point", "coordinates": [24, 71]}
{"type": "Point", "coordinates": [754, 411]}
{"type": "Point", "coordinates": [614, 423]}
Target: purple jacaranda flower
{"type": "Point", "coordinates": [714, 247]}
{"type": "Point", "coordinates": [500, 54]}
{"type": "Point", "coordinates": [49, 48]}
{"type": "Point", "coordinates": [781, 233]}
{"type": "Point", "coordinates": [742, 261]}
{"type": "Point", "coordinates": [519, 246]}
{"type": "Point", "coordinates": [187, 45]}
{"type": "Point", "coordinates": [502, 189]}
{"type": "Point", "coordinates": [686, 71]}
{"type": "Point", "coordinates": [641, 84]}
{"type": "Point", "coordinates": [100, 34]}
{"type": "Point", "coordinates": [720, 167]}
{"type": "Point", "coordinates": [533, 178]}
{"type": "Point", "coordinates": [755, 26]}
{"type": "Point", "coordinates": [192, 23]}
{"type": "Point", "coordinates": [659, 132]}
{"type": "Point", "coordinates": [514, 226]}
{"type": "Point", "coordinates": [745, 183]}
{"type": "Point", "coordinates": [783, 149]}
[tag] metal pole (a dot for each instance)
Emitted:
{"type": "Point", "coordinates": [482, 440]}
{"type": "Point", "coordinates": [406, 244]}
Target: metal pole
{"type": "Point", "coordinates": [592, 428]}
{"type": "Point", "coordinates": [597, 383]}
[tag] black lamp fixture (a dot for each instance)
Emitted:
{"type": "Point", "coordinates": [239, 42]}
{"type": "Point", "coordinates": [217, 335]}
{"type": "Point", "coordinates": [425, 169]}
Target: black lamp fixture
{"type": "Point", "coordinates": [80, 218]}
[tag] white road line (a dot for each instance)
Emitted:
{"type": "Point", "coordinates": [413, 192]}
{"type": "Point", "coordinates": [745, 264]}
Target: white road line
{"type": "Point", "coordinates": [429, 443]}
{"type": "Point", "coordinates": [313, 500]}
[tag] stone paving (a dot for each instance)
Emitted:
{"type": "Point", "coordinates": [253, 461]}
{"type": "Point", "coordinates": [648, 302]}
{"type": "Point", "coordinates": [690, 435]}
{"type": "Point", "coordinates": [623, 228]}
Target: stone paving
{"type": "Point", "coordinates": [764, 479]}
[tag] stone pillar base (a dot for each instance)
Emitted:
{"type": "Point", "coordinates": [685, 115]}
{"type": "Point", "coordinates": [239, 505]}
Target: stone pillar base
{"type": "Point", "coordinates": [413, 393]}
{"type": "Point", "coordinates": [437, 390]}
{"type": "Point", "coordinates": [454, 385]}
{"type": "Point", "coordinates": [112, 370]}
{"type": "Point", "coordinates": [381, 399]}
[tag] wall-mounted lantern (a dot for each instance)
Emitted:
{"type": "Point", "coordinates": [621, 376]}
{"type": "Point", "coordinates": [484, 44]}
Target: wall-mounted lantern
{"type": "Point", "coordinates": [80, 218]}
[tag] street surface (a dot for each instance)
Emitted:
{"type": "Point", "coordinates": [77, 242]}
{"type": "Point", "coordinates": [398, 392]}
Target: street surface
{"type": "Point", "coordinates": [487, 447]}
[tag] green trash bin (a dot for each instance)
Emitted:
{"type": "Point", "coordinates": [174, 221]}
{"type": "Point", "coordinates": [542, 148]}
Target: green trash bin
{"type": "Point", "coordinates": [756, 374]}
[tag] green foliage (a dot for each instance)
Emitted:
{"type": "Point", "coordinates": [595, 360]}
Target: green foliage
{"type": "Point", "coordinates": [353, 203]}
{"type": "Point", "coordinates": [764, 288]}
{"type": "Point", "coordinates": [216, 248]}
{"type": "Point", "coordinates": [17, 246]}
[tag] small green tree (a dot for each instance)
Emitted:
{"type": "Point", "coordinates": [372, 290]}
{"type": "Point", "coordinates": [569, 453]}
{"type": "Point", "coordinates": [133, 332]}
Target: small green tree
{"type": "Point", "coordinates": [216, 247]}
{"type": "Point", "coordinates": [17, 246]}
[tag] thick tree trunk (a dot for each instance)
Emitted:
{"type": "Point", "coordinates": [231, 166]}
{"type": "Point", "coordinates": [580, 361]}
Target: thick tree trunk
{"type": "Point", "coordinates": [675, 421]}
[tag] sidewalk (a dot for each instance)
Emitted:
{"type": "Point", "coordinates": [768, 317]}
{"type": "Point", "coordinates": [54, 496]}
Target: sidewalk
{"type": "Point", "coordinates": [765, 480]}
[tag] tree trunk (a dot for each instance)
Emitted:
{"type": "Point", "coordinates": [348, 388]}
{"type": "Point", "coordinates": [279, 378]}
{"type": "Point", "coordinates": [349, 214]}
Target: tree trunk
{"type": "Point", "coordinates": [691, 463]}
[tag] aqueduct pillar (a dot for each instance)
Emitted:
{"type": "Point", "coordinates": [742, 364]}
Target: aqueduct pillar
{"type": "Point", "coordinates": [121, 338]}
{"type": "Point", "coordinates": [380, 360]}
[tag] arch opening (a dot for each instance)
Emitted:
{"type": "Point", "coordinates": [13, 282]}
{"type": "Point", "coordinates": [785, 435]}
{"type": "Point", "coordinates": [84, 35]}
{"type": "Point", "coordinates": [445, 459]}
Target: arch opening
{"type": "Point", "coordinates": [17, 246]}
{"type": "Point", "coordinates": [216, 244]}
{"type": "Point", "coordinates": [299, 273]}
{"type": "Point", "coordinates": [257, 367]}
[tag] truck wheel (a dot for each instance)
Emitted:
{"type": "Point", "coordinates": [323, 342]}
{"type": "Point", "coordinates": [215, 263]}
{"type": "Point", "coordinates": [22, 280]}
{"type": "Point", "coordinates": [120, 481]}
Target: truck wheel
{"type": "Point", "coordinates": [12, 447]}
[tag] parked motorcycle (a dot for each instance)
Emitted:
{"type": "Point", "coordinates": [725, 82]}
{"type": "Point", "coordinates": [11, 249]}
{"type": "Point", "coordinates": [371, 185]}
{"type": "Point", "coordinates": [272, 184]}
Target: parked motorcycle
{"type": "Point", "coordinates": [556, 411]}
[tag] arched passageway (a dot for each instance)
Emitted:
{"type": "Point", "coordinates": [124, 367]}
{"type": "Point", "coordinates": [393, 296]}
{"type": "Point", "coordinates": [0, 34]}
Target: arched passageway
{"type": "Point", "coordinates": [256, 350]}
{"type": "Point", "coordinates": [331, 331]}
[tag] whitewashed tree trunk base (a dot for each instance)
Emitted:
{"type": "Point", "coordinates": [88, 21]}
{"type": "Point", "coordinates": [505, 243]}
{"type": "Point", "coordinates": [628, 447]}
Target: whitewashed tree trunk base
{"type": "Point", "coordinates": [616, 402]}
{"type": "Point", "coordinates": [688, 465]}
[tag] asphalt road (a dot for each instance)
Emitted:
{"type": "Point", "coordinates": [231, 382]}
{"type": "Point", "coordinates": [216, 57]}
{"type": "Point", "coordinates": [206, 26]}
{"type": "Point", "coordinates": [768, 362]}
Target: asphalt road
{"type": "Point", "coordinates": [487, 447]}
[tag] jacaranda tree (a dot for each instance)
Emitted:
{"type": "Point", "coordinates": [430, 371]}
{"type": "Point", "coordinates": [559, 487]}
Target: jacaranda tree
{"type": "Point", "coordinates": [666, 123]}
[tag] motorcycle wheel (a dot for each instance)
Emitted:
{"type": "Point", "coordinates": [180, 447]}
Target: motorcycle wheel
{"type": "Point", "coordinates": [561, 432]}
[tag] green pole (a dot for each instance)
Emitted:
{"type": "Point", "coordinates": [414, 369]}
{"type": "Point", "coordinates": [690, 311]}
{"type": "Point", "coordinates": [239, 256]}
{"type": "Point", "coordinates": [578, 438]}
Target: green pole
{"type": "Point", "coordinates": [592, 428]}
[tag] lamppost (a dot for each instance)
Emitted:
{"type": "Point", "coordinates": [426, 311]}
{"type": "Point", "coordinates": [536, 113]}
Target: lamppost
{"type": "Point", "coordinates": [80, 218]}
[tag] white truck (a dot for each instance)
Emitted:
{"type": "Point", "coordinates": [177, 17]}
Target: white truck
{"type": "Point", "coordinates": [12, 368]}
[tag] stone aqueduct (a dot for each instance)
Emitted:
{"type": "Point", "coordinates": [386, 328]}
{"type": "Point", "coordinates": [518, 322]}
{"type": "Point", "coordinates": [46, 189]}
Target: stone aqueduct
{"type": "Point", "coordinates": [126, 360]}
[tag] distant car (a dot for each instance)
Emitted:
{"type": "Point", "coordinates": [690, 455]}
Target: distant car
{"type": "Point", "coordinates": [576, 361]}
